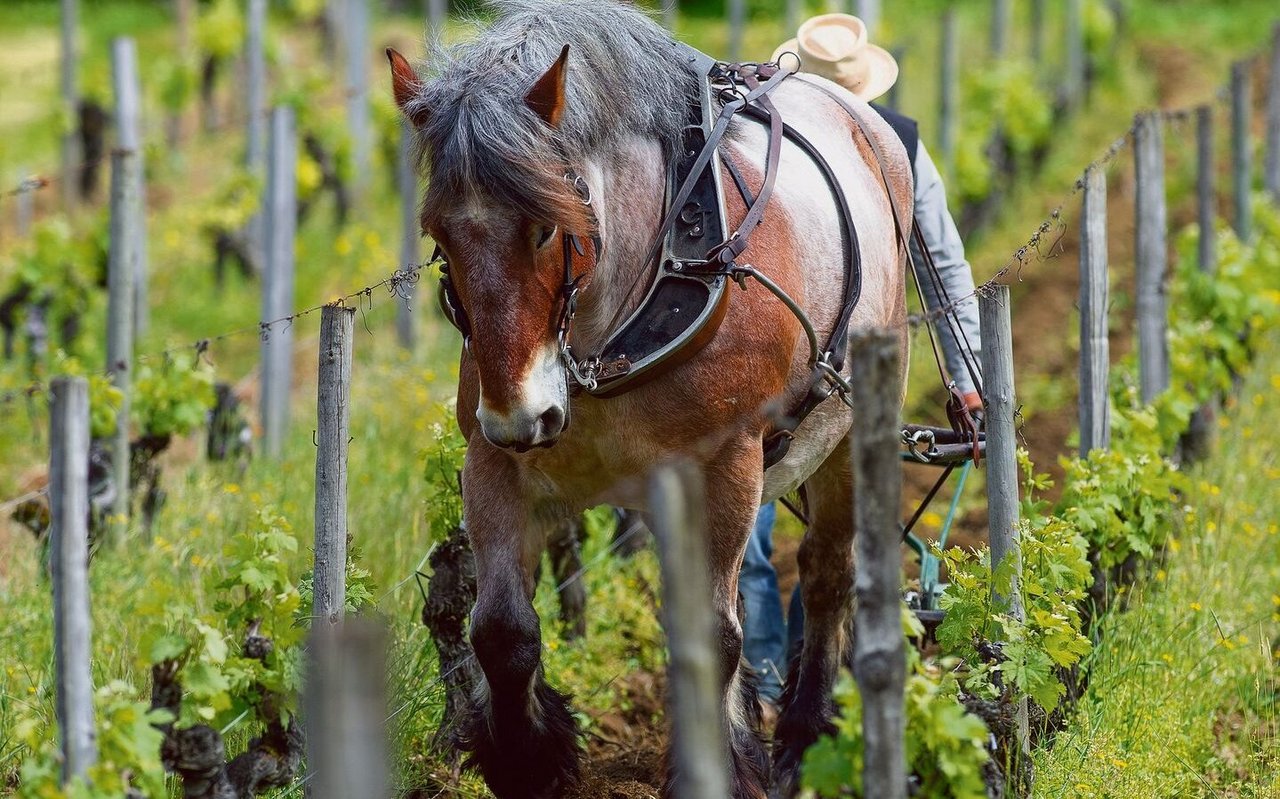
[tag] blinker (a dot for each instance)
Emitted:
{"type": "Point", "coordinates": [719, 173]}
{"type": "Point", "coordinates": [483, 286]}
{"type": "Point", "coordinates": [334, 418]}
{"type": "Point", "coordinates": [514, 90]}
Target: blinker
{"type": "Point", "coordinates": [450, 304]}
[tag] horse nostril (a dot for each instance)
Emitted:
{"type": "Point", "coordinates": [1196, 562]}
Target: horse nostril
{"type": "Point", "coordinates": [552, 421]}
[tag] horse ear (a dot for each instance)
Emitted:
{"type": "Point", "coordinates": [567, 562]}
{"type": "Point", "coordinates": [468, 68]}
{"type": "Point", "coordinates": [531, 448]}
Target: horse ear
{"type": "Point", "coordinates": [546, 98]}
{"type": "Point", "coordinates": [405, 85]}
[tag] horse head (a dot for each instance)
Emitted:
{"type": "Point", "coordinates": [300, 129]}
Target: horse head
{"type": "Point", "coordinates": [508, 212]}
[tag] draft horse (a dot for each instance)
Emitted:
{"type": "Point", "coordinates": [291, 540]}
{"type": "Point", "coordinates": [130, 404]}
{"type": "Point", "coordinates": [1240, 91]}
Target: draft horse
{"type": "Point", "coordinates": [546, 140]}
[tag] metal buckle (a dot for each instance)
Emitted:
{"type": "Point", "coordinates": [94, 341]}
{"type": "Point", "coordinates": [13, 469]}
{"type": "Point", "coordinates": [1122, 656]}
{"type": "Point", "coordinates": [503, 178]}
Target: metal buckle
{"type": "Point", "coordinates": [580, 186]}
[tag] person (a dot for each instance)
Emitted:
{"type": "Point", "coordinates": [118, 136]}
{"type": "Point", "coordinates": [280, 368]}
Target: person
{"type": "Point", "coordinates": [836, 46]}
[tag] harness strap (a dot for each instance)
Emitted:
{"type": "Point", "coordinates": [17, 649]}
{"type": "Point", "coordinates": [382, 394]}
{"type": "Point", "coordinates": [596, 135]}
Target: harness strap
{"type": "Point", "coordinates": [738, 181]}
{"type": "Point", "coordinates": [709, 149]}
{"type": "Point", "coordinates": [728, 252]}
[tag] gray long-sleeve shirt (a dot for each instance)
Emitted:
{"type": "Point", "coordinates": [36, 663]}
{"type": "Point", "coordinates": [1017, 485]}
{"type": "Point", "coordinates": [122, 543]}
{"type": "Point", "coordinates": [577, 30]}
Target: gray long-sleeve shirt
{"type": "Point", "coordinates": [938, 229]}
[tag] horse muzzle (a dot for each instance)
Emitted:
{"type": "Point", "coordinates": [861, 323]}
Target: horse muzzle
{"type": "Point", "coordinates": [523, 430]}
{"type": "Point", "coordinates": [539, 412]}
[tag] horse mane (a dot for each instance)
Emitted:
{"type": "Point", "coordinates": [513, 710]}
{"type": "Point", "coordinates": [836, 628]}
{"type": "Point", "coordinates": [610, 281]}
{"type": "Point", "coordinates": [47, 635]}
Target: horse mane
{"type": "Point", "coordinates": [480, 135]}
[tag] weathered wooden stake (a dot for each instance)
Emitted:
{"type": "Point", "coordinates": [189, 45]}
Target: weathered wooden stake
{"type": "Point", "coordinates": [737, 13]}
{"type": "Point", "coordinates": [69, 564]}
{"type": "Point", "coordinates": [1271, 179]}
{"type": "Point", "coordinates": [1095, 353]}
{"type": "Point", "coordinates": [256, 117]}
{"type": "Point", "coordinates": [949, 92]}
{"type": "Point", "coordinates": [183, 13]}
{"type": "Point", "coordinates": [1073, 82]}
{"type": "Point", "coordinates": [1002, 444]}
{"type": "Point", "coordinates": [128, 98]}
{"type": "Point", "coordinates": [122, 263]}
{"type": "Point", "coordinates": [1037, 31]}
{"type": "Point", "coordinates": [68, 22]}
{"type": "Point", "coordinates": [334, 19]}
{"type": "Point", "coordinates": [677, 506]}
{"type": "Point", "coordinates": [879, 656]}
{"type": "Point", "coordinates": [1000, 13]}
{"type": "Point", "coordinates": [277, 297]}
{"type": "Point", "coordinates": [437, 15]}
{"type": "Point", "coordinates": [346, 711]}
{"type": "Point", "coordinates": [1001, 407]}
{"type": "Point", "coordinates": [1241, 148]}
{"type": "Point", "coordinates": [1198, 438]}
{"type": "Point", "coordinates": [869, 12]}
{"type": "Point", "coordinates": [1152, 256]}
{"type": "Point", "coordinates": [670, 10]}
{"type": "Point", "coordinates": [333, 422]}
{"type": "Point", "coordinates": [410, 234]}
{"type": "Point", "coordinates": [356, 29]}
{"type": "Point", "coordinates": [1206, 197]}
{"type": "Point", "coordinates": [893, 97]}
{"type": "Point", "coordinates": [794, 12]}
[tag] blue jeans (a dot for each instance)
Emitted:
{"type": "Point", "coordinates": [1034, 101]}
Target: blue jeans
{"type": "Point", "coordinates": [767, 637]}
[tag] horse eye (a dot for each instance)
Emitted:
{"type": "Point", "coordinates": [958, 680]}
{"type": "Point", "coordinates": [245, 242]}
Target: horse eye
{"type": "Point", "coordinates": [544, 235]}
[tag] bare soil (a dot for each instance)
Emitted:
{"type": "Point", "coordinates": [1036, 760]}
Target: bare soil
{"type": "Point", "coordinates": [625, 750]}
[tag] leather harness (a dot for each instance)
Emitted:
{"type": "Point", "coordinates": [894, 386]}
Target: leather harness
{"type": "Point", "coordinates": [691, 259]}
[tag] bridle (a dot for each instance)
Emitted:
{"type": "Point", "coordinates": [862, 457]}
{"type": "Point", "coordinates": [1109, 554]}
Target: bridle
{"type": "Point", "coordinates": [570, 286]}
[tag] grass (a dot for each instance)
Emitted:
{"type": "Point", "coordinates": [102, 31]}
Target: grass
{"type": "Point", "coordinates": [396, 397]}
{"type": "Point", "coordinates": [1183, 693]}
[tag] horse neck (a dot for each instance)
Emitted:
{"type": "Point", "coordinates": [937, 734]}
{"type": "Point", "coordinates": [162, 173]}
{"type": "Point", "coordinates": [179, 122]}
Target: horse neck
{"type": "Point", "coordinates": [630, 182]}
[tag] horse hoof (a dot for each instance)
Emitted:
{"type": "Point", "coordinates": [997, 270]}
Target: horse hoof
{"type": "Point", "coordinates": [520, 759]}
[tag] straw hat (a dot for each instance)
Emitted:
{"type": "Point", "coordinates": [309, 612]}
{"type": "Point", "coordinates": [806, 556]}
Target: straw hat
{"type": "Point", "coordinates": [835, 46]}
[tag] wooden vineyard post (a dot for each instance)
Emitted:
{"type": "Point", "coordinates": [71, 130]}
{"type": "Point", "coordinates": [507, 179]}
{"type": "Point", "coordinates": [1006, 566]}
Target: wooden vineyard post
{"type": "Point", "coordinates": [1095, 353]}
{"type": "Point", "coordinates": [437, 14]}
{"type": "Point", "coordinates": [1241, 148]}
{"type": "Point", "coordinates": [333, 424]}
{"type": "Point", "coordinates": [794, 13]}
{"type": "Point", "coordinates": [277, 297]}
{"type": "Point", "coordinates": [122, 261]}
{"type": "Point", "coordinates": [331, 38]}
{"type": "Point", "coordinates": [948, 93]}
{"type": "Point", "coordinates": [410, 233]}
{"type": "Point", "coordinates": [1001, 405]}
{"type": "Point", "coordinates": [1037, 32]}
{"type": "Point", "coordinates": [356, 28]}
{"type": "Point", "coordinates": [737, 15]}
{"type": "Point", "coordinates": [1152, 256]}
{"type": "Point", "coordinates": [1002, 445]}
{"type": "Point", "coordinates": [1197, 440]}
{"type": "Point", "coordinates": [128, 99]}
{"type": "Point", "coordinates": [256, 118]}
{"type": "Point", "coordinates": [893, 97]}
{"type": "Point", "coordinates": [68, 23]}
{"type": "Point", "coordinates": [1073, 84]}
{"type": "Point", "coordinates": [671, 10]}
{"type": "Point", "coordinates": [346, 711]}
{"type": "Point", "coordinates": [1271, 170]}
{"type": "Point", "coordinates": [1000, 13]}
{"type": "Point", "coordinates": [879, 657]}
{"type": "Point", "coordinates": [869, 12]}
{"type": "Point", "coordinates": [678, 511]}
{"type": "Point", "coordinates": [69, 564]}
{"type": "Point", "coordinates": [1206, 196]}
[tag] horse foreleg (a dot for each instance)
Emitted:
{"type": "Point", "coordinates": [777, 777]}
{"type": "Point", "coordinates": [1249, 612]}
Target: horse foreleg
{"type": "Point", "coordinates": [826, 581]}
{"type": "Point", "coordinates": [522, 737]}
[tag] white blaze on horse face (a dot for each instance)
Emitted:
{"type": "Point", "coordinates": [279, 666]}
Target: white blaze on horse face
{"type": "Point", "coordinates": [540, 414]}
